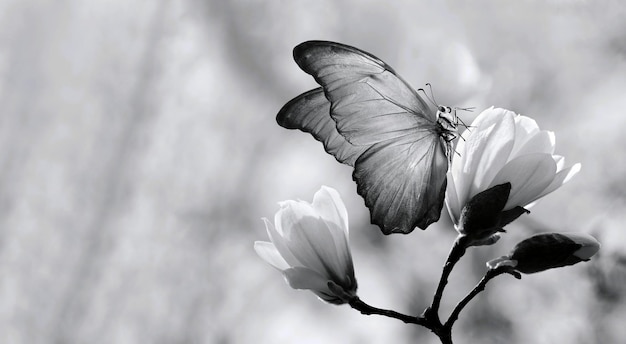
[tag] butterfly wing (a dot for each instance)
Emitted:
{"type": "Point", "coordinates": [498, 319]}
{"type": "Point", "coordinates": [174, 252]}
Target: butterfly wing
{"type": "Point", "coordinates": [401, 174]}
{"type": "Point", "coordinates": [310, 112]}
{"type": "Point", "coordinates": [402, 192]}
{"type": "Point", "coordinates": [370, 102]}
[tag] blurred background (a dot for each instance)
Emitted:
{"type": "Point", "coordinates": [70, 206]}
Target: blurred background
{"type": "Point", "coordinates": [139, 152]}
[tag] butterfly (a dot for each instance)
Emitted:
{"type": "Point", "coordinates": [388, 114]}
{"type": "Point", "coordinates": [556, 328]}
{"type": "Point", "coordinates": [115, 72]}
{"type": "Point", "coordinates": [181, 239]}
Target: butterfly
{"type": "Point", "coordinates": [368, 117]}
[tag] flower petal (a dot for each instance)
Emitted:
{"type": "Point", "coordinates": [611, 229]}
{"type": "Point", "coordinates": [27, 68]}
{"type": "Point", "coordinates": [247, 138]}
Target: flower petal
{"type": "Point", "coordinates": [279, 243]}
{"type": "Point", "coordinates": [307, 236]}
{"type": "Point", "coordinates": [488, 149]}
{"type": "Point", "coordinates": [540, 142]}
{"type": "Point", "coordinates": [525, 128]}
{"type": "Point", "coordinates": [560, 161]}
{"type": "Point", "coordinates": [452, 200]}
{"type": "Point", "coordinates": [313, 245]}
{"type": "Point", "coordinates": [290, 213]}
{"type": "Point", "coordinates": [329, 206]}
{"type": "Point", "coordinates": [489, 142]}
{"type": "Point", "coordinates": [529, 175]}
{"type": "Point", "coordinates": [527, 124]}
{"type": "Point", "coordinates": [501, 261]}
{"type": "Point", "coordinates": [305, 278]}
{"type": "Point", "coordinates": [269, 253]}
{"type": "Point", "coordinates": [590, 246]}
{"type": "Point", "coordinates": [561, 178]}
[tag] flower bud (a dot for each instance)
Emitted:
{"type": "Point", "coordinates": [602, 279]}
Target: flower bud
{"type": "Point", "coordinates": [309, 245]}
{"type": "Point", "coordinates": [547, 251]}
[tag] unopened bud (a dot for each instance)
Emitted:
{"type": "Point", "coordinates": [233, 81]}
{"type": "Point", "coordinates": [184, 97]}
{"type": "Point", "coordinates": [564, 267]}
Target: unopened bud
{"type": "Point", "coordinates": [547, 251]}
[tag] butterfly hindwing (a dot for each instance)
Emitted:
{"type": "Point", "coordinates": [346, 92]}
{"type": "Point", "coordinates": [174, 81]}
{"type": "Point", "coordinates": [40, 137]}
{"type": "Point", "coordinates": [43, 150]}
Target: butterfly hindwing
{"type": "Point", "coordinates": [394, 184]}
{"type": "Point", "coordinates": [310, 112]}
{"type": "Point", "coordinates": [387, 128]}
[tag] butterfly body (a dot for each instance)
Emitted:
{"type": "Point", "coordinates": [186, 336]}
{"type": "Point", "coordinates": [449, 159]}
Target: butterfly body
{"type": "Point", "coordinates": [368, 117]}
{"type": "Point", "coordinates": [447, 121]}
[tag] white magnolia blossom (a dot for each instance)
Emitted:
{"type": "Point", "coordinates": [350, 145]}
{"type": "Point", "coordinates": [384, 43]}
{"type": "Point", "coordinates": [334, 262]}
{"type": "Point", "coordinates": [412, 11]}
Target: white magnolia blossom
{"type": "Point", "coordinates": [309, 245]}
{"type": "Point", "coordinates": [501, 147]}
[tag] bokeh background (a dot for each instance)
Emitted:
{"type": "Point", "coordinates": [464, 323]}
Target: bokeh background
{"type": "Point", "coordinates": [139, 151]}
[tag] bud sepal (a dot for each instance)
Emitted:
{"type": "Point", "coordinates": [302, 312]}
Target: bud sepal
{"type": "Point", "coordinates": [483, 216]}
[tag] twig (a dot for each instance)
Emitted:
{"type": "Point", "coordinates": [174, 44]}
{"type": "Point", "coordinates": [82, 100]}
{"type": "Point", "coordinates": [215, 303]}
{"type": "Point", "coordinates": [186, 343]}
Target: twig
{"type": "Point", "coordinates": [430, 318]}
{"type": "Point", "coordinates": [456, 252]}
{"type": "Point", "coordinates": [366, 309]}
{"type": "Point", "coordinates": [492, 273]}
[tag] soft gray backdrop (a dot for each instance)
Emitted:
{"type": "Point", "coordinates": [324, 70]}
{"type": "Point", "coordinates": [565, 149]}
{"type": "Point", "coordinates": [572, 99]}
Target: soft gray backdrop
{"type": "Point", "coordinates": [139, 150]}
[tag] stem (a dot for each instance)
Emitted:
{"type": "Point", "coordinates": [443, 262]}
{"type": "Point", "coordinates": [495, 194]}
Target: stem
{"type": "Point", "coordinates": [456, 252]}
{"type": "Point", "coordinates": [430, 318]}
{"type": "Point", "coordinates": [492, 273]}
{"type": "Point", "coordinates": [366, 309]}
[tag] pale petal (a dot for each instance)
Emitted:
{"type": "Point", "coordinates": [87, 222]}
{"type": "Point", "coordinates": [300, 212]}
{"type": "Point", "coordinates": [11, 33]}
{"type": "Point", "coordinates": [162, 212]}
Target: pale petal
{"type": "Point", "coordinates": [452, 200]}
{"type": "Point", "coordinates": [279, 242]}
{"type": "Point", "coordinates": [269, 253]}
{"type": "Point", "coordinates": [463, 166]}
{"type": "Point", "coordinates": [560, 161]}
{"type": "Point", "coordinates": [487, 150]}
{"type": "Point", "coordinates": [311, 241]}
{"type": "Point", "coordinates": [571, 172]}
{"type": "Point", "coordinates": [586, 252]}
{"type": "Point", "coordinates": [461, 180]}
{"type": "Point", "coordinates": [304, 278]}
{"type": "Point", "coordinates": [342, 250]}
{"type": "Point", "coordinates": [540, 142]}
{"type": "Point", "coordinates": [312, 244]}
{"type": "Point", "coordinates": [527, 124]}
{"type": "Point", "coordinates": [458, 169]}
{"type": "Point", "coordinates": [460, 144]}
{"type": "Point", "coordinates": [529, 175]}
{"type": "Point", "coordinates": [290, 213]}
{"type": "Point", "coordinates": [561, 178]}
{"type": "Point", "coordinates": [590, 245]}
{"type": "Point", "coordinates": [526, 127]}
{"type": "Point", "coordinates": [328, 204]}
{"type": "Point", "coordinates": [458, 160]}
{"type": "Point", "coordinates": [582, 239]}
{"type": "Point", "coordinates": [501, 261]}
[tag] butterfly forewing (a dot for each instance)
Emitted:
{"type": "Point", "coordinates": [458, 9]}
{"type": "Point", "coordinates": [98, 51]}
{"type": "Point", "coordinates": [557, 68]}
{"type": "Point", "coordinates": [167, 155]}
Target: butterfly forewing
{"type": "Point", "coordinates": [389, 133]}
{"type": "Point", "coordinates": [370, 103]}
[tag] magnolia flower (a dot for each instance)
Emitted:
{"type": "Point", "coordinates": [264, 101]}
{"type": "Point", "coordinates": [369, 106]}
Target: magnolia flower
{"type": "Point", "coordinates": [309, 245]}
{"type": "Point", "coordinates": [501, 147]}
{"type": "Point", "coordinates": [547, 251]}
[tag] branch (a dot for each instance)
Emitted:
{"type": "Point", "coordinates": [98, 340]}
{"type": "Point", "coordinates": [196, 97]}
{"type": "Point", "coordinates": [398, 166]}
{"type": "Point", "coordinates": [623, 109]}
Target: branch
{"type": "Point", "coordinates": [492, 273]}
{"type": "Point", "coordinates": [366, 309]}
{"type": "Point", "coordinates": [456, 252]}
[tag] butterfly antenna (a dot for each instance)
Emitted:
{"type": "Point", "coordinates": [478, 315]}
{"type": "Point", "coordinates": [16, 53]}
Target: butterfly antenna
{"type": "Point", "coordinates": [430, 98]}
{"type": "Point", "coordinates": [432, 94]}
